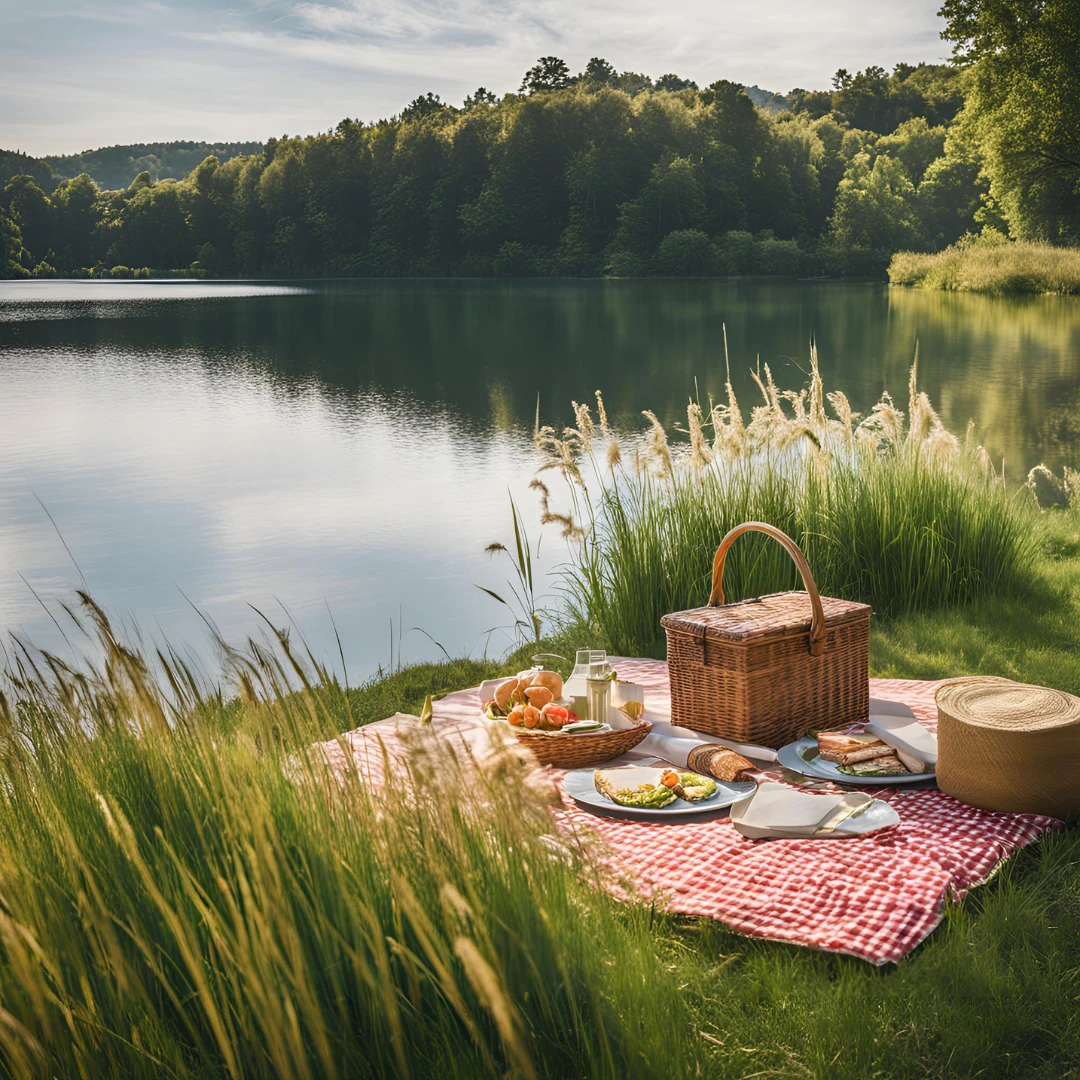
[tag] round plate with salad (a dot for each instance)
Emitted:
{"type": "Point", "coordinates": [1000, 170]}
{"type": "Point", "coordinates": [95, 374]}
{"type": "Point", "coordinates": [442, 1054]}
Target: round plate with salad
{"type": "Point", "coordinates": [657, 793]}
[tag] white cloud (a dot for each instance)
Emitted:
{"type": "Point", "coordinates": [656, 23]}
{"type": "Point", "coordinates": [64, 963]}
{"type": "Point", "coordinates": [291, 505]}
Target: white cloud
{"type": "Point", "coordinates": [207, 70]}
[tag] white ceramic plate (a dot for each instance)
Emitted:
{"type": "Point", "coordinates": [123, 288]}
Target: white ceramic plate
{"type": "Point", "coordinates": [802, 757]}
{"type": "Point", "coordinates": [580, 786]}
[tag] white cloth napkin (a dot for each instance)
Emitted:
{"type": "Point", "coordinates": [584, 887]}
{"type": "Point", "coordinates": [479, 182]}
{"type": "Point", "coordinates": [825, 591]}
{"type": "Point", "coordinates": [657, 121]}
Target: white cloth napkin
{"type": "Point", "coordinates": [775, 810]}
{"type": "Point", "coordinates": [907, 736]}
{"type": "Point", "coordinates": [676, 748]}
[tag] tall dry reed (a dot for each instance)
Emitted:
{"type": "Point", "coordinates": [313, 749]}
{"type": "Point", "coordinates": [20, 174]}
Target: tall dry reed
{"type": "Point", "coordinates": [185, 891]}
{"type": "Point", "coordinates": [891, 509]}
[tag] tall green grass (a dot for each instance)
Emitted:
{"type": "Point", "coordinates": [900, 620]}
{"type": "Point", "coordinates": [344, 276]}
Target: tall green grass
{"type": "Point", "coordinates": [186, 891]}
{"type": "Point", "coordinates": [892, 511]}
{"type": "Point", "coordinates": [993, 268]}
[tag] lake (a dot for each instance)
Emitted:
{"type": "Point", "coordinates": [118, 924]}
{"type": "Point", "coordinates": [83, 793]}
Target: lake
{"type": "Point", "coordinates": [339, 454]}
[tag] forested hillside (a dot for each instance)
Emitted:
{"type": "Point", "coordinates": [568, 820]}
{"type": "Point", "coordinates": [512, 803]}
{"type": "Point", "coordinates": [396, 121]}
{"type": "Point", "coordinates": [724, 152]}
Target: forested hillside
{"type": "Point", "coordinates": [606, 172]}
{"type": "Point", "coordinates": [116, 166]}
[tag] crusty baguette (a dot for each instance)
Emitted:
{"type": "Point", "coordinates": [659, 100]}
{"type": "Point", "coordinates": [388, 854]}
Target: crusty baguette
{"type": "Point", "coordinates": [718, 761]}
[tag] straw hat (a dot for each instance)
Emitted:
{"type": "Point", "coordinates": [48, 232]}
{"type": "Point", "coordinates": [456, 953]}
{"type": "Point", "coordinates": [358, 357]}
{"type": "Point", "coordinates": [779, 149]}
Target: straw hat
{"type": "Point", "coordinates": [1006, 746]}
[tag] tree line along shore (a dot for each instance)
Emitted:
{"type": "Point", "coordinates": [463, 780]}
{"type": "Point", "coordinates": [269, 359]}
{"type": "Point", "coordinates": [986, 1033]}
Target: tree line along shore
{"type": "Point", "coordinates": [613, 173]}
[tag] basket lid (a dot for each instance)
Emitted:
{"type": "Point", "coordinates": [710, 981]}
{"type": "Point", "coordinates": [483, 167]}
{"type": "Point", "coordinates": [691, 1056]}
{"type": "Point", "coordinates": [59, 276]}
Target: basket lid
{"type": "Point", "coordinates": [780, 614]}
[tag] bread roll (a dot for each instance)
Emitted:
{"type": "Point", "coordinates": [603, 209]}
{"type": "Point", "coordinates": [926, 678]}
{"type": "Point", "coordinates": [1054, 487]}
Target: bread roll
{"type": "Point", "coordinates": [503, 693]}
{"type": "Point", "coordinates": [718, 761]}
{"type": "Point", "coordinates": [552, 680]}
{"type": "Point", "coordinates": [538, 696]}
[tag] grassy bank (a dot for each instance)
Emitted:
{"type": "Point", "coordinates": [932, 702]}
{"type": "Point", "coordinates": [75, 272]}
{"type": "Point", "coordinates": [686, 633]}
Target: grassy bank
{"type": "Point", "coordinates": [172, 905]}
{"type": "Point", "coordinates": [995, 268]}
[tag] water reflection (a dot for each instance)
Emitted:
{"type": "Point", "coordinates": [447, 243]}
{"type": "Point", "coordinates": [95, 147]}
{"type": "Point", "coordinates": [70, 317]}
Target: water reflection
{"type": "Point", "coordinates": [353, 443]}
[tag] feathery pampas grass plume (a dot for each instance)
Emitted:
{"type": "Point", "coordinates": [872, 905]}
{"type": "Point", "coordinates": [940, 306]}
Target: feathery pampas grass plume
{"type": "Point", "coordinates": [890, 508]}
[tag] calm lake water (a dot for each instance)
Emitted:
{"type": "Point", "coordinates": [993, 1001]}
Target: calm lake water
{"type": "Point", "coordinates": [348, 448]}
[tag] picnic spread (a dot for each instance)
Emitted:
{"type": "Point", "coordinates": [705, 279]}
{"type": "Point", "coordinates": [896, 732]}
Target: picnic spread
{"type": "Point", "coordinates": [875, 897]}
{"type": "Point", "coordinates": [760, 778]}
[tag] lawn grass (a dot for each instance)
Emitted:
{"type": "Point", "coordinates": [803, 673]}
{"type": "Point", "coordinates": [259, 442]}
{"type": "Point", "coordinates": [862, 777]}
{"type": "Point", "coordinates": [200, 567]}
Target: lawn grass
{"type": "Point", "coordinates": [992, 268]}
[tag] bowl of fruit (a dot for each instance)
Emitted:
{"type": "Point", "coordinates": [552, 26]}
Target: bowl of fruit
{"type": "Point", "coordinates": [531, 704]}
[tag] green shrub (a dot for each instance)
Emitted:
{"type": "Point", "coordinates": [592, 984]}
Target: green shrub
{"type": "Point", "coordinates": [735, 252]}
{"type": "Point", "coordinates": [684, 253]}
{"type": "Point", "coordinates": [778, 257]}
{"type": "Point", "coordinates": [514, 259]}
{"type": "Point", "coordinates": [624, 264]}
{"type": "Point", "coordinates": [121, 272]}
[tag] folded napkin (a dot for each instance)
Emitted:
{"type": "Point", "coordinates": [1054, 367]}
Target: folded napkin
{"type": "Point", "coordinates": [677, 747]}
{"type": "Point", "coordinates": [775, 810]}
{"type": "Point", "coordinates": [907, 736]}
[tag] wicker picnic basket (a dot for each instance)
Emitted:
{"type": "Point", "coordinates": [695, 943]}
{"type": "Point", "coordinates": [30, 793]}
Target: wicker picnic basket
{"type": "Point", "coordinates": [770, 669]}
{"type": "Point", "coordinates": [584, 750]}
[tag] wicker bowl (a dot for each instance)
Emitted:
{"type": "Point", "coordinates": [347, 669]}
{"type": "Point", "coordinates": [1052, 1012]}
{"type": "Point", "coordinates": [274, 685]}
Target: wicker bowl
{"type": "Point", "coordinates": [580, 751]}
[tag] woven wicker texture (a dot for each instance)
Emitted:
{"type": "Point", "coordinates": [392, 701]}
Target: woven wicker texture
{"type": "Point", "coordinates": [771, 669]}
{"type": "Point", "coordinates": [584, 750]}
{"type": "Point", "coordinates": [1004, 745]}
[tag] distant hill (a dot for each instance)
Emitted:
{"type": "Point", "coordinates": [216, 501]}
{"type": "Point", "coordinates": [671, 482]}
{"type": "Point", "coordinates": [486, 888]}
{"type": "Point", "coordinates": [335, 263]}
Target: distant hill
{"type": "Point", "coordinates": [767, 100]}
{"type": "Point", "coordinates": [115, 167]}
{"type": "Point", "coordinates": [16, 163]}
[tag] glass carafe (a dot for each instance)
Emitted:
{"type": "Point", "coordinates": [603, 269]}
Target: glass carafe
{"type": "Point", "coordinates": [588, 664]}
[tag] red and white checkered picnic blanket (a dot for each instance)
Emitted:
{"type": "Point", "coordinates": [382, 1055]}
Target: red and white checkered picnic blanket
{"type": "Point", "coordinates": [875, 897]}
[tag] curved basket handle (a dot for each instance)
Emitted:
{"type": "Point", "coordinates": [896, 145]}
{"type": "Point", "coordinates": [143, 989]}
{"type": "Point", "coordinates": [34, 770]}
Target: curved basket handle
{"type": "Point", "coordinates": [716, 598]}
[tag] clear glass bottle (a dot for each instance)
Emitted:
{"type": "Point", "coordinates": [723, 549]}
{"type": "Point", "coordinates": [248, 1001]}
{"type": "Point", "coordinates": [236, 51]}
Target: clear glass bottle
{"type": "Point", "coordinates": [599, 697]}
{"type": "Point", "coordinates": [587, 663]}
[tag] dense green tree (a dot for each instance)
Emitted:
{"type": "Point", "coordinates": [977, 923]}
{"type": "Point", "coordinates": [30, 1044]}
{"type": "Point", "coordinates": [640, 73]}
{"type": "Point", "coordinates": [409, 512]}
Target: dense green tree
{"type": "Point", "coordinates": [77, 219]}
{"type": "Point", "coordinates": [113, 167]}
{"type": "Point", "coordinates": [422, 106]}
{"type": "Point", "coordinates": [482, 96]}
{"type": "Point", "coordinates": [31, 210]}
{"type": "Point", "coordinates": [874, 100]}
{"type": "Point", "coordinates": [674, 83]}
{"type": "Point", "coordinates": [598, 72]}
{"type": "Point", "coordinates": [153, 229]}
{"type": "Point", "coordinates": [548, 73]}
{"type": "Point", "coordinates": [632, 82]}
{"type": "Point", "coordinates": [16, 163]}
{"type": "Point", "coordinates": [875, 212]}
{"type": "Point", "coordinates": [12, 253]}
{"type": "Point", "coordinates": [915, 144]}
{"type": "Point", "coordinates": [604, 172]}
{"type": "Point", "coordinates": [1023, 107]}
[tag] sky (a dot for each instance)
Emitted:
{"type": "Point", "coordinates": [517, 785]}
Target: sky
{"type": "Point", "coordinates": [79, 74]}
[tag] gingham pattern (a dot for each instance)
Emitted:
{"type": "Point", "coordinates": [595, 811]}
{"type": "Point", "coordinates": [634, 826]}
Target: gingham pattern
{"type": "Point", "coordinates": [874, 897]}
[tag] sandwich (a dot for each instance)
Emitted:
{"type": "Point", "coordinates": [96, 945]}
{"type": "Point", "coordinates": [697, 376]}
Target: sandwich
{"type": "Point", "coordinates": [885, 765]}
{"type": "Point", "coordinates": [849, 749]}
